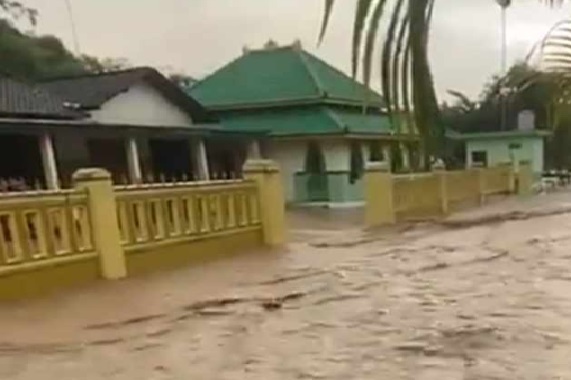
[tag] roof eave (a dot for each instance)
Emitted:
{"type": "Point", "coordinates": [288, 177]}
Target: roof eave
{"type": "Point", "coordinates": [62, 123]}
{"type": "Point", "coordinates": [347, 135]}
{"type": "Point", "coordinates": [38, 116]}
{"type": "Point", "coordinates": [318, 100]}
{"type": "Point", "coordinates": [499, 135]}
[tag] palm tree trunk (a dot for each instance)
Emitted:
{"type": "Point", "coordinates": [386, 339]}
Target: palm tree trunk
{"type": "Point", "coordinates": [427, 116]}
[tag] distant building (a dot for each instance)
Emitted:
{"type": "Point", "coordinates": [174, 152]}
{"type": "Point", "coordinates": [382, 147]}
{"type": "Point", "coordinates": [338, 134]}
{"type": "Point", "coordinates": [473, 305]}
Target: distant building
{"type": "Point", "coordinates": [135, 123]}
{"type": "Point", "coordinates": [323, 126]}
{"type": "Point", "coordinates": [524, 144]}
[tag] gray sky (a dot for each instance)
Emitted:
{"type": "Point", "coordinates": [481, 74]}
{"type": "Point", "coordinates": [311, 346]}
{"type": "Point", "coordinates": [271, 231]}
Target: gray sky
{"type": "Point", "coordinates": [198, 36]}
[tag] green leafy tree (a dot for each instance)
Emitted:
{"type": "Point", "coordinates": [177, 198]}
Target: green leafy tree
{"type": "Point", "coordinates": [16, 10]}
{"type": "Point", "coordinates": [33, 58]}
{"type": "Point", "coordinates": [103, 65]}
{"type": "Point", "coordinates": [540, 92]}
{"type": "Point", "coordinates": [484, 114]}
{"type": "Point", "coordinates": [406, 76]}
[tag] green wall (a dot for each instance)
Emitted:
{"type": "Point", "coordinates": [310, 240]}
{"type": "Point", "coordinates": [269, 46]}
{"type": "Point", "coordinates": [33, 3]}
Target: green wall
{"type": "Point", "coordinates": [499, 150]}
{"type": "Point", "coordinates": [336, 188]}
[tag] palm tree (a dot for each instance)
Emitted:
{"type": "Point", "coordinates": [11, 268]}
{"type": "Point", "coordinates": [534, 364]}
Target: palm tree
{"type": "Point", "coordinates": [406, 77]}
{"type": "Point", "coordinates": [552, 60]}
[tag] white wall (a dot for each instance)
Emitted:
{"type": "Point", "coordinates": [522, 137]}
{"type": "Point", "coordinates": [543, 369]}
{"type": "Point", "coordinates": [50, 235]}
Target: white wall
{"type": "Point", "coordinates": [290, 156]}
{"type": "Point", "coordinates": [337, 154]}
{"type": "Point", "coordinates": [141, 105]}
{"type": "Point", "coordinates": [538, 155]}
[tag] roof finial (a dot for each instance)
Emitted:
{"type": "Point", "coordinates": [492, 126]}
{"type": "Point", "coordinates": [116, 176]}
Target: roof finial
{"type": "Point", "coordinates": [297, 44]}
{"type": "Point", "coordinates": [245, 50]}
{"type": "Point", "coordinates": [271, 45]}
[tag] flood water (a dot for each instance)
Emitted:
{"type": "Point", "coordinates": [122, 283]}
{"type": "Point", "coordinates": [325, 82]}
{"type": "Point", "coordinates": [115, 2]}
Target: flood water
{"type": "Point", "coordinates": [489, 301]}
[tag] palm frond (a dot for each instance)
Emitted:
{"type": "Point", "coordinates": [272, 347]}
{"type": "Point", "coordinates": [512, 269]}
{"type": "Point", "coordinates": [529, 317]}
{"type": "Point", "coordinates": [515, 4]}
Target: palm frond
{"type": "Point", "coordinates": [329, 4]}
{"type": "Point", "coordinates": [361, 14]}
{"type": "Point", "coordinates": [406, 77]}
{"type": "Point", "coordinates": [386, 61]}
{"type": "Point", "coordinates": [371, 38]}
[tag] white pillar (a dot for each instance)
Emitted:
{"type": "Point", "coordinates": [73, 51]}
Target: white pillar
{"type": "Point", "coordinates": [254, 150]}
{"type": "Point", "coordinates": [421, 156]}
{"type": "Point", "coordinates": [405, 156]}
{"type": "Point", "coordinates": [133, 161]}
{"type": "Point", "coordinates": [49, 161]}
{"type": "Point", "coordinates": [387, 154]}
{"type": "Point", "coordinates": [201, 160]}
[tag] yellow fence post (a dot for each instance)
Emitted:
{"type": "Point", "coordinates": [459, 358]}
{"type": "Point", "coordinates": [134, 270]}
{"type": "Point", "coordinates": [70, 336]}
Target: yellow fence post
{"type": "Point", "coordinates": [379, 201]}
{"type": "Point", "coordinates": [512, 168]}
{"type": "Point", "coordinates": [480, 172]}
{"type": "Point", "coordinates": [266, 174]}
{"type": "Point", "coordinates": [525, 179]}
{"type": "Point", "coordinates": [104, 221]}
{"type": "Point", "coordinates": [440, 173]}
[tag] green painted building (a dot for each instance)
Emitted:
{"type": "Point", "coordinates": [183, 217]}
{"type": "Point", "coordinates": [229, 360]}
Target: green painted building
{"type": "Point", "coordinates": [323, 126]}
{"type": "Point", "coordinates": [494, 148]}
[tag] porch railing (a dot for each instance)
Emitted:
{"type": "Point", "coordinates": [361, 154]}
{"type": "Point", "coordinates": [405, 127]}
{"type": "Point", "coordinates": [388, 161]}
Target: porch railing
{"type": "Point", "coordinates": [43, 227]}
{"type": "Point", "coordinates": [48, 238]}
{"type": "Point", "coordinates": [153, 213]}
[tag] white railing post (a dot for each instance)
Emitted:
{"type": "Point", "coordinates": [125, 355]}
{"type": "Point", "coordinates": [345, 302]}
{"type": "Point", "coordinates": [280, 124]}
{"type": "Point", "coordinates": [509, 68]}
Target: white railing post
{"type": "Point", "coordinates": [133, 161]}
{"type": "Point", "coordinates": [405, 156]}
{"type": "Point", "coordinates": [201, 160]}
{"type": "Point", "coordinates": [49, 161]}
{"type": "Point", "coordinates": [254, 150]}
{"type": "Point", "coordinates": [387, 155]}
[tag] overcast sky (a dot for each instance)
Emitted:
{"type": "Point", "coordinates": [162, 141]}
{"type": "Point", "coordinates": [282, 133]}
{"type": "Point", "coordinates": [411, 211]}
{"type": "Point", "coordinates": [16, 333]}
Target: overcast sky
{"type": "Point", "coordinates": [198, 36]}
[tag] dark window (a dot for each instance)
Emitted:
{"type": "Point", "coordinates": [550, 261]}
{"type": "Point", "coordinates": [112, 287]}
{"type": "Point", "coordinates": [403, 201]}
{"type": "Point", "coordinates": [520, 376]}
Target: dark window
{"type": "Point", "coordinates": [376, 152]}
{"type": "Point", "coordinates": [357, 164]}
{"type": "Point", "coordinates": [513, 146]}
{"type": "Point", "coordinates": [480, 158]}
{"type": "Point", "coordinates": [314, 159]}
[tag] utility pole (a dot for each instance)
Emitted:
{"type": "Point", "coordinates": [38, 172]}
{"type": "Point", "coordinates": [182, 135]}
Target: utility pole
{"type": "Point", "coordinates": [73, 28]}
{"type": "Point", "coordinates": [504, 5]}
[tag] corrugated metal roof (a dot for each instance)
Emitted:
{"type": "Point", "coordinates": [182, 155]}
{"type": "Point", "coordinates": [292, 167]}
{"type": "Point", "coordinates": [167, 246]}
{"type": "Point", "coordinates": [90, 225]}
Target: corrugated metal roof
{"type": "Point", "coordinates": [297, 121]}
{"type": "Point", "coordinates": [22, 100]}
{"type": "Point", "coordinates": [93, 90]}
{"type": "Point", "coordinates": [277, 76]}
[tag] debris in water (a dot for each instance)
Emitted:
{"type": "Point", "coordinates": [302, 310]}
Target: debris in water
{"type": "Point", "coordinates": [271, 305]}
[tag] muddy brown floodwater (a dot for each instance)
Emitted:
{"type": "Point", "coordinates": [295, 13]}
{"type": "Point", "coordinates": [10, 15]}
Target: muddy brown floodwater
{"type": "Point", "coordinates": [490, 300]}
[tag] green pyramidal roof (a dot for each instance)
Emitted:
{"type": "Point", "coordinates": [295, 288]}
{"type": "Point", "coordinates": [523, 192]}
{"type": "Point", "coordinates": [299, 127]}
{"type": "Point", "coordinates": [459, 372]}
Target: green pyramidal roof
{"type": "Point", "coordinates": [279, 76]}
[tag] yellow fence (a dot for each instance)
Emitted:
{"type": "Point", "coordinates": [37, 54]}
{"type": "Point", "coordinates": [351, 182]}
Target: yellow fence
{"type": "Point", "coordinates": [497, 180]}
{"type": "Point", "coordinates": [41, 226]}
{"type": "Point", "coordinates": [415, 195]}
{"type": "Point", "coordinates": [392, 198]}
{"type": "Point", "coordinates": [464, 186]}
{"type": "Point", "coordinates": [54, 239]}
{"type": "Point", "coordinates": [181, 211]}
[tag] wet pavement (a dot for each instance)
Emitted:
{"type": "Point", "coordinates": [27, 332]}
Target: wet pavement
{"type": "Point", "coordinates": [478, 299]}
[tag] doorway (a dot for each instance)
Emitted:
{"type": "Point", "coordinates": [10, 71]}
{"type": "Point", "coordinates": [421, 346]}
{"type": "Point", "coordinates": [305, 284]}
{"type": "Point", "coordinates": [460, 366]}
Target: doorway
{"type": "Point", "coordinates": [226, 157]}
{"type": "Point", "coordinates": [22, 161]}
{"type": "Point", "coordinates": [111, 155]}
{"type": "Point", "coordinates": [316, 170]}
{"type": "Point", "coordinates": [171, 159]}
